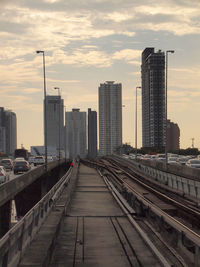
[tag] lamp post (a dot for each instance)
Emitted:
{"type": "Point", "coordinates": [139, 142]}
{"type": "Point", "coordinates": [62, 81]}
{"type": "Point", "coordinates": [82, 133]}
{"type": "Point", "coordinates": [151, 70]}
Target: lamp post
{"type": "Point", "coordinates": [57, 88]}
{"type": "Point", "coordinates": [166, 73]}
{"type": "Point", "coordinates": [65, 143]}
{"type": "Point", "coordinates": [138, 87]}
{"type": "Point", "coordinates": [45, 108]}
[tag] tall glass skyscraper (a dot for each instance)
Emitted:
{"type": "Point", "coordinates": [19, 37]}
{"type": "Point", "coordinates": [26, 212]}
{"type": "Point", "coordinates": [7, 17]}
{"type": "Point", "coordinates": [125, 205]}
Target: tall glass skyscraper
{"type": "Point", "coordinates": [75, 122]}
{"type": "Point", "coordinates": [92, 133]}
{"type": "Point", "coordinates": [110, 117]}
{"type": "Point", "coordinates": [55, 121]}
{"type": "Point", "coordinates": [8, 131]}
{"type": "Point", "coordinates": [153, 98]}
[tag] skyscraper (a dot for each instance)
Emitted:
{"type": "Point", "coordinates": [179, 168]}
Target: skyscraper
{"type": "Point", "coordinates": [55, 121]}
{"type": "Point", "coordinates": [153, 99]}
{"type": "Point", "coordinates": [75, 123]}
{"type": "Point", "coordinates": [92, 133]}
{"type": "Point", "coordinates": [173, 136]}
{"type": "Point", "coordinates": [110, 117]}
{"type": "Point", "coordinates": [8, 131]}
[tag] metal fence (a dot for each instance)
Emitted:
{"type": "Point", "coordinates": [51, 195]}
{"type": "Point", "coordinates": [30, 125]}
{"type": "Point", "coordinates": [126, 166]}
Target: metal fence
{"type": "Point", "coordinates": [14, 242]}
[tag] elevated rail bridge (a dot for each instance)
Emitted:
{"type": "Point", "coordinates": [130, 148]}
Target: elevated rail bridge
{"type": "Point", "coordinates": [109, 211]}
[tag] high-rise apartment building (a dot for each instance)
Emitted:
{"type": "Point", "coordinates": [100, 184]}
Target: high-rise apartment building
{"type": "Point", "coordinates": [55, 122]}
{"type": "Point", "coordinates": [173, 136]}
{"type": "Point", "coordinates": [92, 133]}
{"type": "Point", "coordinates": [110, 117]}
{"type": "Point", "coordinates": [75, 123]}
{"type": "Point", "coordinates": [8, 131]}
{"type": "Point", "coordinates": [153, 98]}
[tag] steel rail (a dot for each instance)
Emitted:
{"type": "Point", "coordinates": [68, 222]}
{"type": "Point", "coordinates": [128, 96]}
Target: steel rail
{"type": "Point", "coordinates": [181, 228]}
{"type": "Point", "coordinates": [126, 208]}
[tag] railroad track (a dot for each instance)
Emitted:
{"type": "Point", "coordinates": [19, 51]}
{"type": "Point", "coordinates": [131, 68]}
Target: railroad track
{"type": "Point", "coordinates": [185, 212]}
{"type": "Point", "coordinates": [185, 220]}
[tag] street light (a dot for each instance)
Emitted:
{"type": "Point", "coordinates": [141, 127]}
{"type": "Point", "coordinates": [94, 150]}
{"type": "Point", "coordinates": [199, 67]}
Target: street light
{"type": "Point", "coordinates": [65, 136]}
{"type": "Point", "coordinates": [166, 141]}
{"type": "Point", "coordinates": [45, 108]}
{"type": "Point", "coordinates": [138, 87]}
{"type": "Point", "coordinates": [57, 88]}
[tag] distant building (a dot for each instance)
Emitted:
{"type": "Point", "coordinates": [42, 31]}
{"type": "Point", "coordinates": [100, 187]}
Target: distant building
{"type": "Point", "coordinates": [75, 123]}
{"type": "Point", "coordinates": [55, 122]}
{"type": "Point", "coordinates": [92, 133]}
{"type": "Point", "coordinates": [40, 150]}
{"type": "Point", "coordinates": [153, 99]}
{"type": "Point", "coordinates": [173, 136]}
{"type": "Point", "coordinates": [8, 131]}
{"type": "Point", "coordinates": [110, 117]}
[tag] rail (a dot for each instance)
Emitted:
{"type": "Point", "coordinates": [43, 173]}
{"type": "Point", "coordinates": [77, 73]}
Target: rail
{"type": "Point", "coordinates": [186, 185]}
{"type": "Point", "coordinates": [14, 242]}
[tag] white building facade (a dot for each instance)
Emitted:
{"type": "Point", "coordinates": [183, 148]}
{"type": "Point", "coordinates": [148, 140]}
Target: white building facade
{"type": "Point", "coordinates": [110, 117]}
{"type": "Point", "coordinates": [75, 124]}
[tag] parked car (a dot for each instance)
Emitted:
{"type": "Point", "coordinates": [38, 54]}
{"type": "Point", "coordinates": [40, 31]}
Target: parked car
{"type": "Point", "coordinates": [194, 163]}
{"type": "Point", "coordinates": [39, 160]}
{"type": "Point", "coordinates": [7, 163]}
{"type": "Point", "coordinates": [4, 176]}
{"type": "Point", "coordinates": [21, 166]}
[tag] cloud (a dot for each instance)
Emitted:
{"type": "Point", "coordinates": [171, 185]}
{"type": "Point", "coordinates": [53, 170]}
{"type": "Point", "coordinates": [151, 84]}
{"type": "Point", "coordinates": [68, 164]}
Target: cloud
{"type": "Point", "coordinates": [129, 55]}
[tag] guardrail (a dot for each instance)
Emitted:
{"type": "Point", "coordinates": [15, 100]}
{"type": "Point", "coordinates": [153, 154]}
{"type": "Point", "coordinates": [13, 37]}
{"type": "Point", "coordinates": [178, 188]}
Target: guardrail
{"type": "Point", "coordinates": [183, 184]}
{"type": "Point", "coordinates": [14, 242]}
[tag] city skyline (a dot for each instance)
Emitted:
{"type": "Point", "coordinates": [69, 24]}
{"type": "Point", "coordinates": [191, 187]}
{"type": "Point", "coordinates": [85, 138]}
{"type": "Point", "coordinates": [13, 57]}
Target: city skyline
{"type": "Point", "coordinates": [83, 50]}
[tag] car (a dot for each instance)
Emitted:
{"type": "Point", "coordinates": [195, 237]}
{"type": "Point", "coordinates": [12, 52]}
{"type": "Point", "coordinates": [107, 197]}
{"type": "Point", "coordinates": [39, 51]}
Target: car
{"type": "Point", "coordinates": [19, 159]}
{"type": "Point", "coordinates": [194, 163]}
{"type": "Point", "coordinates": [4, 176]}
{"type": "Point", "coordinates": [153, 157]}
{"type": "Point", "coordinates": [21, 166]}
{"type": "Point", "coordinates": [7, 163]}
{"type": "Point", "coordinates": [160, 157]}
{"type": "Point", "coordinates": [172, 160]}
{"type": "Point", "coordinates": [31, 160]}
{"type": "Point", "coordinates": [181, 160]}
{"type": "Point", "coordinates": [39, 160]}
{"type": "Point", "coordinates": [49, 158]}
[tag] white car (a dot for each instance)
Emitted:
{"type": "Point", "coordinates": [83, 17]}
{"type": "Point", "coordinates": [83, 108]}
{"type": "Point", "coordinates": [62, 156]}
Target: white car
{"type": "Point", "coordinates": [172, 160]}
{"type": "Point", "coordinates": [4, 176]}
{"type": "Point", "coordinates": [194, 163]}
{"type": "Point", "coordinates": [39, 160]}
{"type": "Point", "coordinates": [49, 158]}
{"type": "Point", "coordinates": [160, 157]}
{"type": "Point", "coordinates": [19, 159]}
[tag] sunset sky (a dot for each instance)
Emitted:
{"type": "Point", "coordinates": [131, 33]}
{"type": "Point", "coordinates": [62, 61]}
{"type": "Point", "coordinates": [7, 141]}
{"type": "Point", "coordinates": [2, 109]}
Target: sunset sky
{"type": "Point", "coordinates": [88, 42]}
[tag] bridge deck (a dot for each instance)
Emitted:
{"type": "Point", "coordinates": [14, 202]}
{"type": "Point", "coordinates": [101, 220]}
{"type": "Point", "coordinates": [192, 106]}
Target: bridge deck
{"type": "Point", "coordinates": [94, 229]}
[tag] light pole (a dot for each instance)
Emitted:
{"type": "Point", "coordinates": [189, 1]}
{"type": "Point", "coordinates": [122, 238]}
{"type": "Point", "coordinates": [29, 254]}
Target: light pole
{"type": "Point", "coordinates": [65, 136]}
{"type": "Point", "coordinates": [166, 141]}
{"type": "Point", "coordinates": [138, 87]}
{"type": "Point", "coordinates": [45, 108]}
{"type": "Point", "coordinates": [57, 88]}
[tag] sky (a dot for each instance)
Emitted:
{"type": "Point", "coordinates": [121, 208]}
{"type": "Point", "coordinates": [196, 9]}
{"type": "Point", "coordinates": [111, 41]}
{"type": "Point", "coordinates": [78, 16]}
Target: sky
{"type": "Point", "coordinates": [88, 42]}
